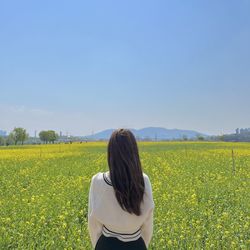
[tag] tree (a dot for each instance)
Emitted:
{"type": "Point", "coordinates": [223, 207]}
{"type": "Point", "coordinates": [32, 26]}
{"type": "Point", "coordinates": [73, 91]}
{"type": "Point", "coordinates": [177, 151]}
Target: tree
{"type": "Point", "coordinates": [221, 137]}
{"type": "Point", "coordinates": [52, 136]}
{"type": "Point", "coordinates": [9, 140]}
{"type": "Point", "coordinates": [200, 138]}
{"type": "Point", "coordinates": [2, 141]}
{"type": "Point", "coordinates": [48, 136]}
{"type": "Point", "coordinates": [43, 135]}
{"type": "Point", "coordinates": [19, 135]}
{"type": "Point", "coordinates": [185, 138]}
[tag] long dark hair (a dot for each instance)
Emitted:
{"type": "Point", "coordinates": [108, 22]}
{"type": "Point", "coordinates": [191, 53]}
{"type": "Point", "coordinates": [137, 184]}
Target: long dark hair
{"type": "Point", "coordinates": [125, 170]}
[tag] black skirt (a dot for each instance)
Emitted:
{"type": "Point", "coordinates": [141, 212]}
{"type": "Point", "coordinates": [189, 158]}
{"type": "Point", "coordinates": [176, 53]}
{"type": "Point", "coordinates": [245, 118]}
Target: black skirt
{"type": "Point", "coordinates": [112, 243]}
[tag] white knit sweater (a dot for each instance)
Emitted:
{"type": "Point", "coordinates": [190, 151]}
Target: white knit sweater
{"type": "Point", "coordinates": [105, 216]}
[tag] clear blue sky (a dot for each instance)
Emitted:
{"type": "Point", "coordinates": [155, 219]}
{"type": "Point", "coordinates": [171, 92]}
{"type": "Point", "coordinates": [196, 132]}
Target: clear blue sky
{"type": "Point", "coordinates": [79, 66]}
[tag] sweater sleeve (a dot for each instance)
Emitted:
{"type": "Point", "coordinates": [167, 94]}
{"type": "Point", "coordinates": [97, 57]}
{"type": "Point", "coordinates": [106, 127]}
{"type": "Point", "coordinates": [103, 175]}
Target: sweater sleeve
{"type": "Point", "coordinates": [147, 226]}
{"type": "Point", "coordinates": [94, 226]}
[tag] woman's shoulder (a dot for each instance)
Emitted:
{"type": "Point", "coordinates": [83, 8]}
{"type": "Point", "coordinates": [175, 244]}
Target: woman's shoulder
{"type": "Point", "coordinates": [97, 177]}
{"type": "Point", "coordinates": [146, 180]}
{"type": "Point", "coordinates": [145, 176]}
{"type": "Point", "coordinates": [96, 185]}
{"type": "Point", "coordinates": [100, 178]}
{"type": "Point", "coordinates": [148, 189]}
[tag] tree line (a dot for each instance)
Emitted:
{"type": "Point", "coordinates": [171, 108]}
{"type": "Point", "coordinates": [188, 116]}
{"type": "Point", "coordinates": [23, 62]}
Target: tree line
{"type": "Point", "coordinates": [19, 136]}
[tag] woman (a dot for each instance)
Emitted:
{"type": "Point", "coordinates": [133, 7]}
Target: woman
{"type": "Point", "coordinates": [120, 213]}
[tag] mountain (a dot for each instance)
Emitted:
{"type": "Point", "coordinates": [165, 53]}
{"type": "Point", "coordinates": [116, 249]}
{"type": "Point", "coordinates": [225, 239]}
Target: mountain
{"type": "Point", "coordinates": [150, 133]}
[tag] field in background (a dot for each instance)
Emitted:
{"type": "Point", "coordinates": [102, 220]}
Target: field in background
{"type": "Point", "coordinates": [201, 193]}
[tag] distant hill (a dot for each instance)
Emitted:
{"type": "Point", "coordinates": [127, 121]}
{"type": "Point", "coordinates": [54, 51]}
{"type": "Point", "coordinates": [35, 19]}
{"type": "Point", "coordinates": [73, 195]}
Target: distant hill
{"type": "Point", "coordinates": [151, 133]}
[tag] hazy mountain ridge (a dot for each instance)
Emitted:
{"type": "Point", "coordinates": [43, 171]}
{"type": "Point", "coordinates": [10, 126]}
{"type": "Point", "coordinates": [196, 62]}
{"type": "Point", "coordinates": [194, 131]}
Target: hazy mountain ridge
{"type": "Point", "coordinates": [152, 133]}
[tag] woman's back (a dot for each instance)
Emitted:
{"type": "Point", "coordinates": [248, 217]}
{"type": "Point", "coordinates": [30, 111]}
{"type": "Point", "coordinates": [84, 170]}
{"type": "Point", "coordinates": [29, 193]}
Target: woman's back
{"type": "Point", "coordinates": [121, 203]}
{"type": "Point", "coordinates": [107, 210]}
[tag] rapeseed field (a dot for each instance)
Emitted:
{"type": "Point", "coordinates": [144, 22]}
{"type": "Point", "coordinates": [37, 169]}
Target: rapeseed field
{"type": "Point", "coordinates": [201, 192]}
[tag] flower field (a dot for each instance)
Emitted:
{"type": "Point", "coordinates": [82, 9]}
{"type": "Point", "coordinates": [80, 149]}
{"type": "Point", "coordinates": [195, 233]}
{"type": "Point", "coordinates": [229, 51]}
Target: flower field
{"type": "Point", "coordinates": [201, 192]}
